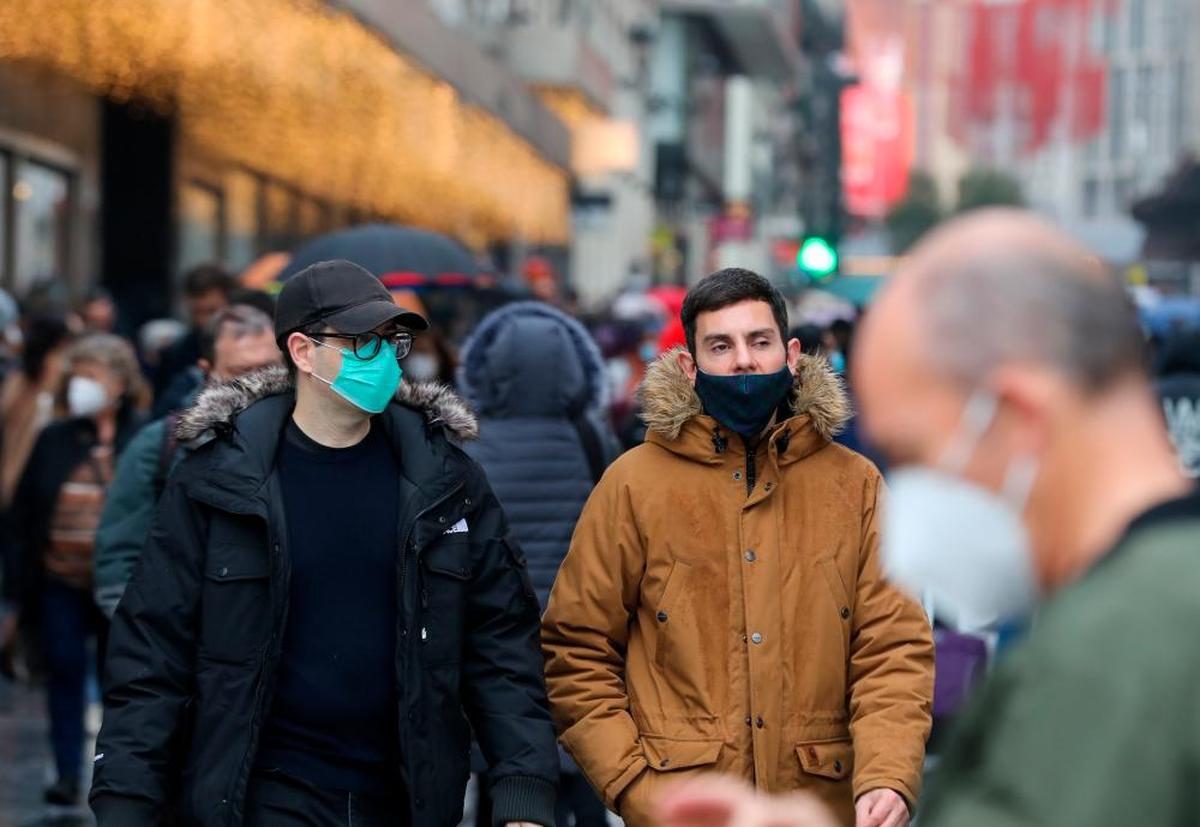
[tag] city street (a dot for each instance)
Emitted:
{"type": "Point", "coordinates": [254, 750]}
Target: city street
{"type": "Point", "coordinates": [25, 763]}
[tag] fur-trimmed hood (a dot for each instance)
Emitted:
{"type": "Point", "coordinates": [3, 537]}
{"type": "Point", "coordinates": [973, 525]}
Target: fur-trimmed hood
{"type": "Point", "coordinates": [217, 407]}
{"type": "Point", "coordinates": [669, 401]}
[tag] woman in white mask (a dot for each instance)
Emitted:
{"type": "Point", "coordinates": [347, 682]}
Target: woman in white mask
{"type": "Point", "coordinates": [54, 516]}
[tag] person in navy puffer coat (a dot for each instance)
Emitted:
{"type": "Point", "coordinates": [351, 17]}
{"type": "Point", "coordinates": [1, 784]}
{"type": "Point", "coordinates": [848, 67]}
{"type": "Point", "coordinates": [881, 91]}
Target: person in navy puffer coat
{"type": "Point", "coordinates": [536, 381]}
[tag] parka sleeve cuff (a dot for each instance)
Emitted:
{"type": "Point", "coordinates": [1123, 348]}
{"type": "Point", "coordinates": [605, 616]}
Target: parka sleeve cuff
{"type": "Point", "coordinates": [120, 811]}
{"type": "Point", "coordinates": [613, 791]}
{"type": "Point", "coordinates": [523, 798]}
{"type": "Point", "coordinates": [905, 791]}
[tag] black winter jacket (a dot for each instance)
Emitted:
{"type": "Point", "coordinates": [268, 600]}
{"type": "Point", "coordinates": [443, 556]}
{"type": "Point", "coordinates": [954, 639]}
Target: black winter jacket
{"type": "Point", "coordinates": [196, 639]}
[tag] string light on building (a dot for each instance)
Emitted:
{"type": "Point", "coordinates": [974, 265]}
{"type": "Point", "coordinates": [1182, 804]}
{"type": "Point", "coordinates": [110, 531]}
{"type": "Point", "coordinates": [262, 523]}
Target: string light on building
{"type": "Point", "coordinates": [308, 95]}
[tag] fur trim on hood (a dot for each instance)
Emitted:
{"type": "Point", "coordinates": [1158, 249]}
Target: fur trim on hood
{"type": "Point", "coordinates": [218, 406]}
{"type": "Point", "coordinates": [669, 400]}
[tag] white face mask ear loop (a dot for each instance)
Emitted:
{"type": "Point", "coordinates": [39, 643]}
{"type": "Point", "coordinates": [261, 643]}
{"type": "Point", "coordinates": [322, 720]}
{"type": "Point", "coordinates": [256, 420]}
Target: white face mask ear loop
{"type": "Point", "coordinates": [1019, 480]}
{"type": "Point", "coordinates": [977, 417]}
{"type": "Point", "coordinates": [314, 373]}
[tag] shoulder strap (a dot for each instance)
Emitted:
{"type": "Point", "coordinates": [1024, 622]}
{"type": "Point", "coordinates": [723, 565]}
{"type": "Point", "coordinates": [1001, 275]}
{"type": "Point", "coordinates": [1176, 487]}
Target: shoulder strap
{"type": "Point", "coordinates": [591, 446]}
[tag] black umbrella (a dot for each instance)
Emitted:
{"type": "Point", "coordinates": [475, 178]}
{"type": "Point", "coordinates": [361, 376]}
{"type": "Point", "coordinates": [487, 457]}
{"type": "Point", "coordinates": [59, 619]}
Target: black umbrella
{"type": "Point", "coordinates": [402, 257]}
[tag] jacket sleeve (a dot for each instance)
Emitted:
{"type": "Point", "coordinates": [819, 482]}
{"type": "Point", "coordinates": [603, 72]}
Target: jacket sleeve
{"type": "Point", "coordinates": [504, 690]}
{"type": "Point", "coordinates": [127, 515]}
{"type": "Point", "coordinates": [584, 635]}
{"type": "Point", "coordinates": [891, 673]}
{"type": "Point", "coordinates": [149, 677]}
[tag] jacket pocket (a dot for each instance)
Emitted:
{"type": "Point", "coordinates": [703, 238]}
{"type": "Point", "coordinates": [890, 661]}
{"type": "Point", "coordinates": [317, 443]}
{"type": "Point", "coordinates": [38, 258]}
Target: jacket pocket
{"type": "Point", "coordinates": [837, 588]}
{"type": "Point", "coordinates": [827, 759]}
{"type": "Point", "coordinates": [444, 581]}
{"type": "Point", "coordinates": [672, 597]}
{"type": "Point", "coordinates": [669, 754]}
{"type": "Point", "coordinates": [235, 604]}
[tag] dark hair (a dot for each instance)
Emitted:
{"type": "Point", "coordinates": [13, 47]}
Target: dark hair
{"type": "Point", "coordinates": [730, 286]}
{"type": "Point", "coordinates": [42, 335]}
{"type": "Point", "coordinates": [96, 294]}
{"type": "Point", "coordinates": [257, 299]}
{"type": "Point", "coordinates": [239, 319]}
{"type": "Point", "coordinates": [205, 278]}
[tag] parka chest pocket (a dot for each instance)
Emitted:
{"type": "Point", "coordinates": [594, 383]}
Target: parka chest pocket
{"type": "Point", "coordinates": [235, 605]}
{"type": "Point", "coordinates": [445, 576]}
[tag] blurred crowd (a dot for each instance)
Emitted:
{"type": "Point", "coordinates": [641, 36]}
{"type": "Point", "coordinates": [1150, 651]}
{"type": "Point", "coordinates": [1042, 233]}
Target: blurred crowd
{"type": "Point", "coordinates": [89, 413]}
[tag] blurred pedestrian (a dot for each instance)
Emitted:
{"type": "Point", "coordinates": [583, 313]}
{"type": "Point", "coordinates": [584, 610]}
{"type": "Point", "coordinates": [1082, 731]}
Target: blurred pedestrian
{"type": "Point", "coordinates": [154, 339]}
{"type": "Point", "coordinates": [27, 397]}
{"type": "Point", "coordinates": [721, 606]}
{"type": "Point", "coordinates": [1003, 374]}
{"type": "Point", "coordinates": [329, 584]}
{"type": "Point", "coordinates": [206, 291]}
{"type": "Point", "coordinates": [11, 337]}
{"type": "Point", "coordinates": [98, 312]}
{"type": "Point", "coordinates": [430, 360]}
{"type": "Point", "coordinates": [537, 381]}
{"type": "Point", "coordinates": [52, 525]}
{"type": "Point", "coordinates": [239, 340]}
{"type": "Point", "coordinates": [1179, 392]}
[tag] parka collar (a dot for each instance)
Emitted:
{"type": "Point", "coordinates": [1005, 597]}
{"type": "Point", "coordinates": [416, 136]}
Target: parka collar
{"type": "Point", "coordinates": [675, 418]}
{"type": "Point", "coordinates": [246, 417]}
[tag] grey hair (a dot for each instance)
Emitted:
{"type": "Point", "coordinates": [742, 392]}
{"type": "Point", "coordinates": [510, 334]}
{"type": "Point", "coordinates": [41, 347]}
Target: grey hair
{"type": "Point", "coordinates": [1034, 304]}
{"type": "Point", "coordinates": [237, 320]}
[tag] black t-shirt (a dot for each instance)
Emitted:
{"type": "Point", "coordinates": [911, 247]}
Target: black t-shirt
{"type": "Point", "coordinates": [334, 719]}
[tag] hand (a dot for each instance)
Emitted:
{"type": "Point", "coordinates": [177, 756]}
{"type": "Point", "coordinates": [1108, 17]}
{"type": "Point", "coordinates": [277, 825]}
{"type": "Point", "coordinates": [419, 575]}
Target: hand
{"type": "Point", "coordinates": [521, 824]}
{"type": "Point", "coordinates": [719, 801]}
{"type": "Point", "coordinates": [881, 808]}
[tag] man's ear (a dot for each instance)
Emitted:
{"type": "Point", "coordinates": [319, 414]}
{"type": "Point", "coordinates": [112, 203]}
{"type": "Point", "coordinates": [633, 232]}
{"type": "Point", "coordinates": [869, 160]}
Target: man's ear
{"type": "Point", "coordinates": [204, 365]}
{"type": "Point", "coordinates": [688, 363]}
{"type": "Point", "coordinates": [301, 349]}
{"type": "Point", "coordinates": [795, 352]}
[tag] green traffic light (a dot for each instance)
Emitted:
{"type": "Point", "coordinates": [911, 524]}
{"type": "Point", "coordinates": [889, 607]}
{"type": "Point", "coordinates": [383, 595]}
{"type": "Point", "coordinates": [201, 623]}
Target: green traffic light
{"type": "Point", "coordinates": [817, 257]}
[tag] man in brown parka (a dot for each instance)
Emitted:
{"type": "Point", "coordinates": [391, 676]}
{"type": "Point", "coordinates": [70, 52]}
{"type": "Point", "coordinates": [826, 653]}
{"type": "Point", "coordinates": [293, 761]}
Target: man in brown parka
{"type": "Point", "coordinates": [721, 607]}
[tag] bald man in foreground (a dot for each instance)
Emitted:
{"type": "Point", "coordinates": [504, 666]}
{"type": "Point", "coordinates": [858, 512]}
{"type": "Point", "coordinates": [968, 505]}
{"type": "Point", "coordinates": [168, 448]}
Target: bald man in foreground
{"type": "Point", "coordinates": [1002, 374]}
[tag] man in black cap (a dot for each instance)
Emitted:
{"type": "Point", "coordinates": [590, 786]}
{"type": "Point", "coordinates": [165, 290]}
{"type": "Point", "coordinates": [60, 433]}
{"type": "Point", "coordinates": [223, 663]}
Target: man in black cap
{"type": "Point", "coordinates": [329, 586]}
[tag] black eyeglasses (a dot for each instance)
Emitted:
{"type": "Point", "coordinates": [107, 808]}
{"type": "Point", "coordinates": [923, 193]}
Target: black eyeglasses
{"type": "Point", "coordinates": [367, 345]}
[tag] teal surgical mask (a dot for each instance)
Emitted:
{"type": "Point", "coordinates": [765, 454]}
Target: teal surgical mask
{"type": "Point", "coordinates": [368, 384]}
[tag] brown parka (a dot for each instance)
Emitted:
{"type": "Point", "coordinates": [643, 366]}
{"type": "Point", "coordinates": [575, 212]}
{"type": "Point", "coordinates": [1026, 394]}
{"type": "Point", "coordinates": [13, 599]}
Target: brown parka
{"type": "Point", "coordinates": [725, 612]}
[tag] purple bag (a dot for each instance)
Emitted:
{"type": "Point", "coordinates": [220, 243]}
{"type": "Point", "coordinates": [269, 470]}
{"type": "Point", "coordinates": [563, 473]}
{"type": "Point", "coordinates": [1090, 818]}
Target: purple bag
{"type": "Point", "coordinates": [960, 662]}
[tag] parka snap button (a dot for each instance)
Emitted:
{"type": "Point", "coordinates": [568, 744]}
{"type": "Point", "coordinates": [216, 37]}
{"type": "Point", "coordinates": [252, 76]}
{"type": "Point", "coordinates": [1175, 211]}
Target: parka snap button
{"type": "Point", "coordinates": [737, 475]}
{"type": "Point", "coordinates": [759, 722]}
{"type": "Point", "coordinates": [756, 638]}
{"type": "Point", "coordinates": [751, 556]}
{"type": "Point", "coordinates": [769, 486]}
{"type": "Point", "coordinates": [664, 762]}
{"type": "Point", "coordinates": [662, 617]}
{"type": "Point", "coordinates": [845, 613]}
{"type": "Point", "coordinates": [442, 520]}
{"type": "Point", "coordinates": [812, 754]}
{"type": "Point", "coordinates": [837, 766]}
{"type": "Point", "coordinates": [749, 722]}
{"type": "Point", "coordinates": [224, 572]}
{"type": "Point", "coordinates": [467, 502]}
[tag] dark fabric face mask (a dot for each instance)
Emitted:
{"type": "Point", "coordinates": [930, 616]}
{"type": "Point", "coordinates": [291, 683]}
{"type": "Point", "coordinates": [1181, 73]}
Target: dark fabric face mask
{"type": "Point", "coordinates": [744, 402]}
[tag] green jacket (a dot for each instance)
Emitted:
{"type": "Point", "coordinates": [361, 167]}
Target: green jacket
{"type": "Point", "coordinates": [1095, 719]}
{"type": "Point", "coordinates": [129, 509]}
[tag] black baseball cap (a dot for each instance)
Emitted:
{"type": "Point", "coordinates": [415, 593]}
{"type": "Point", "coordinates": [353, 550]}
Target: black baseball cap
{"type": "Point", "coordinates": [342, 295]}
